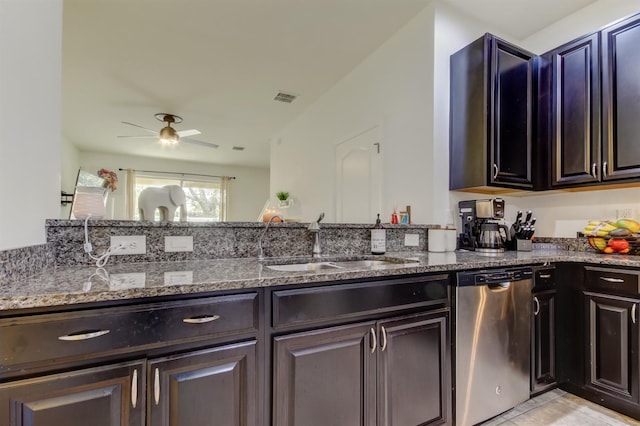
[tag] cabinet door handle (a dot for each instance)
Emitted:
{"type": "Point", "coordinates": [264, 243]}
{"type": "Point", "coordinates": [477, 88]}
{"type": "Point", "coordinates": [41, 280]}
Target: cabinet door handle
{"type": "Point", "coordinates": [134, 388]}
{"type": "Point", "coordinates": [495, 170]}
{"type": "Point", "coordinates": [612, 280]}
{"type": "Point", "coordinates": [374, 342]}
{"type": "Point", "coordinates": [536, 310]}
{"type": "Point", "coordinates": [604, 169]}
{"type": "Point", "coordinates": [633, 313]}
{"type": "Point", "coordinates": [545, 276]}
{"type": "Point", "coordinates": [593, 171]}
{"type": "Point", "coordinates": [201, 319]}
{"type": "Point", "coordinates": [156, 386]}
{"type": "Point", "coordinates": [384, 339]}
{"type": "Point", "coordinates": [83, 335]}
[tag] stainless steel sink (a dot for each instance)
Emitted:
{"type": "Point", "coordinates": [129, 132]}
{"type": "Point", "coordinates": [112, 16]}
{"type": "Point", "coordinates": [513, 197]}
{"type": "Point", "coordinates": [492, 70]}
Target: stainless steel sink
{"type": "Point", "coordinates": [298, 267]}
{"type": "Point", "coordinates": [365, 263]}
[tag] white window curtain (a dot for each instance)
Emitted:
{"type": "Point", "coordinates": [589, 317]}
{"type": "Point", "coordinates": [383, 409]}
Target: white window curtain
{"type": "Point", "coordinates": [224, 197]}
{"type": "Point", "coordinates": [130, 195]}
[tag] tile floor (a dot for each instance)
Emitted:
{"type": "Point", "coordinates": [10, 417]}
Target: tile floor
{"type": "Point", "coordinates": [560, 408]}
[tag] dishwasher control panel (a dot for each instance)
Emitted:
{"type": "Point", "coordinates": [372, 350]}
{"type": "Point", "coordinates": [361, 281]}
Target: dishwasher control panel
{"type": "Point", "coordinates": [494, 276]}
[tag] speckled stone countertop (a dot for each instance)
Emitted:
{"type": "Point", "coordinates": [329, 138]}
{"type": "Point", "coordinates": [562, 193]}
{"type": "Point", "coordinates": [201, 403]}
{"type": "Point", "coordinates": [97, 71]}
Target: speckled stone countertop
{"type": "Point", "coordinates": [86, 284]}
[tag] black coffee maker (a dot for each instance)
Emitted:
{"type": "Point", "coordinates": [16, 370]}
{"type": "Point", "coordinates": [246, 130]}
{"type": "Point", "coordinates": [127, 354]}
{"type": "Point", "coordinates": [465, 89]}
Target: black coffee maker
{"type": "Point", "coordinates": [483, 228]}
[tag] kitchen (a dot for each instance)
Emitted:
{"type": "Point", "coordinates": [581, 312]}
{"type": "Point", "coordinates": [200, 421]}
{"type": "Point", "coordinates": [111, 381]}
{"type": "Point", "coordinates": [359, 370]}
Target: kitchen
{"type": "Point", "coordinates": [548, 207]}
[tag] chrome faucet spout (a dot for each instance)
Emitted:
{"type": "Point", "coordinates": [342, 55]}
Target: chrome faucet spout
{"type": "Point", "coordinates": [264, 232]}
{"type": "Point", "coordinates": [314, 228]}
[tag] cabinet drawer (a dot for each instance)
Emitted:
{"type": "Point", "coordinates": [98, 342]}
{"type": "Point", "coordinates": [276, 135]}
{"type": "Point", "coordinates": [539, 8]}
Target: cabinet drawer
{"type": "Point", "coordinates": [544, 278]}
{"type": "Point", "coordinates": [622, 281]}
{"type": "Point", "coordinates": [97, 332]}
{"type": "Point", "coordinates": [318, 304]}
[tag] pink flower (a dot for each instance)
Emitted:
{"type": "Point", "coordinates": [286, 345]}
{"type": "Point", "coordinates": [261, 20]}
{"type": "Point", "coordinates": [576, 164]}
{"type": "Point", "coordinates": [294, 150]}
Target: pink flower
{"type": "Point", "coordinates": [110, 179]}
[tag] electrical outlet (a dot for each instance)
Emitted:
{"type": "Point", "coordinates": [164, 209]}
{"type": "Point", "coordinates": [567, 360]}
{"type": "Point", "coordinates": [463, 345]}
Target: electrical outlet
{"type": "Point", "coordinates": [626, 213]}
{"type": "Point", "coordinates": [178, 243]}
{"type": "Point", "coordinates": [178, 277]}
{"type": "Point", "coordinates": [126, 281]}
{"type": "Point", "coordinates": [412, 240]}
{"type": "Point", "coordinates": [131, 244]}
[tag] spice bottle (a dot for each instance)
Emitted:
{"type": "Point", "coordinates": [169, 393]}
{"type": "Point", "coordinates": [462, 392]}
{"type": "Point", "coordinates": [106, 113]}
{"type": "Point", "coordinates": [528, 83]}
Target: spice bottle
{"type": "Point", "coordinates": [378, 238]}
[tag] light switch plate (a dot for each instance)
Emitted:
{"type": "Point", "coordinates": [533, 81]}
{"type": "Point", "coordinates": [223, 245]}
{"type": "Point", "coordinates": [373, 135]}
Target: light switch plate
{"type": "Point", "coordinates": [178, 243]}
{"type": "Point", "coordinates": [411, 240]}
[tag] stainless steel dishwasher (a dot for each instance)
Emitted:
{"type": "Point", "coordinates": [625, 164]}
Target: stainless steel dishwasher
{"type": "Point", "coordinates": [492, 314]}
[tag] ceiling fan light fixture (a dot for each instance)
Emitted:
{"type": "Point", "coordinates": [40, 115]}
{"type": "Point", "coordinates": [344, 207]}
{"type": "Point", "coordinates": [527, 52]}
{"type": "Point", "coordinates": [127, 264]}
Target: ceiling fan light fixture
{"type": "Point", "coordinates": [168, 136]}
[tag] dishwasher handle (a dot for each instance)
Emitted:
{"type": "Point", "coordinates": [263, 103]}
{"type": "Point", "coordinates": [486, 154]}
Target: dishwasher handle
{"type": "Point", "coordinates": [499, 287]}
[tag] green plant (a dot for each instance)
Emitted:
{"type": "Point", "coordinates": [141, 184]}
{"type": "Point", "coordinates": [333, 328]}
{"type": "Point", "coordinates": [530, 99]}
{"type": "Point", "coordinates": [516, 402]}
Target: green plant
{"type": "Point", "coordinates": [282, 195]}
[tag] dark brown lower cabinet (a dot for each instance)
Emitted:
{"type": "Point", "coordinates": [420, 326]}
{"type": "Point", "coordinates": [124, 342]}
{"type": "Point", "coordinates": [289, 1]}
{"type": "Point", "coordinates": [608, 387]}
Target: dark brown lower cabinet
{"type": "Point", "coordinates": [104, 396]}
{"type": "Point", "coordinates": [390, 372]}
{"type": "Point", "coordinates": [212, 387]}
{"type": "Point", "coordinates": [613, 347]}
{"type": "Point", "coordinates": [543, 373]}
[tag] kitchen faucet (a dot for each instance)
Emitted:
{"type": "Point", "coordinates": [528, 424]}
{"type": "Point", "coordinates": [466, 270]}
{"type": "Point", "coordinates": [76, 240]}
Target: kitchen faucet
{"type": "Point", "coordinates": [260, 251]}
{"type": "Point", "coordinates": [314, 228]}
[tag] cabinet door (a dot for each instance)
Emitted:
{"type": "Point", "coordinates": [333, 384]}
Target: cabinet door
{"type": "Point", "coordinates": [543, 371]}
{"type": "Point", "coordinates": [612, 351]}
{"type": "Point", "coordinates": [102, 396]}
{"type": "Point", "coordinates": [413, 371]}
{"type": "Point", "coordinates": [575, 112]}
{"type": "Point", "coordinates": [621, 100]}
{"type": "Point", "coordinates": [512, 107]}
{"type": "Point", "coordinates": [325, 377]}
{"type": "Point", "coordinates": [212, 387]}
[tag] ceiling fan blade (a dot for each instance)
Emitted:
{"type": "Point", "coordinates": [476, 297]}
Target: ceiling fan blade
{"type": "Point", "coordinates": [155, 132]}
{"type": "Point", "coordinates": [186, 133]}
{"type": "Point", "coordinates": [138, 137]}
{"type": "Point", "coordinates": [201, 143]}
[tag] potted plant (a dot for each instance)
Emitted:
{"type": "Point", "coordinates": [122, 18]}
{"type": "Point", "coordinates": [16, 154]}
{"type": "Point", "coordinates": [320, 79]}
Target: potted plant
{"type": "Point", "coordinates": [283, 196]}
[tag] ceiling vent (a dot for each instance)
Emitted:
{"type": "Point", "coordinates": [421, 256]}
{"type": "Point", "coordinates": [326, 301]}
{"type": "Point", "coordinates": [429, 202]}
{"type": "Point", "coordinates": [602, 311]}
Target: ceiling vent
{"type": "Point", "coordinates": [238, 148]}
{"type": "Point", "coordinates": [284, 97]}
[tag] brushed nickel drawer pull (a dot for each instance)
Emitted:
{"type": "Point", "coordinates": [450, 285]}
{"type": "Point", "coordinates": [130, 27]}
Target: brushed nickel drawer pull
{"type": "Point", "coordinates": [604, 169]}
{"type": "Point", "coordinates": [536, 311]}
{"type": "Point", "coordinates": [384, 339]}
{"type": "Point", "coordinates": [495, 170]}
{"type": "Point", "coordinates": [593, 171]}
{"type": "Point", "coordinates": [374, 342]}
{"type": "Point", "coordinates": [156, 386]}
{"type": "Point", "coordinates": [545, 276]}
{"type": "Point", "coordinates": [201, 319]}
{"type": "Point", "coordinates": [134, 388]}
{"type": "Point", "coordinates": [83, 335]}
{"type": "Point", "coordinates": [633, 313]}
{"type": "Point", "coordinates": [612, 280]}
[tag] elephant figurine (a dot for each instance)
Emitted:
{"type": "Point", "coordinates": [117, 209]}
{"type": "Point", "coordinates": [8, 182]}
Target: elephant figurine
{"type": "Point", "coordinates": [166, 199]}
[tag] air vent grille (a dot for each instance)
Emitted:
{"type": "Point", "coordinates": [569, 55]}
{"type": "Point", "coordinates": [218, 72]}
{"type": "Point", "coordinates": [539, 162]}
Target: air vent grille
{"type": "Point", "coordinates": [285, 97]}
{"type": "Point", "coordinates": [238, 148]}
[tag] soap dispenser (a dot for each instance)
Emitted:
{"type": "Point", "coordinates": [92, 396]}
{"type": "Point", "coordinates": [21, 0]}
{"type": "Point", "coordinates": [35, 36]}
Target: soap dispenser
{"type": "Point", "coordinates": [378, 238]}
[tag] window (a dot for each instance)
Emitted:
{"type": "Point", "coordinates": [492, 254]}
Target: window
{"type": "Point", "coordinates": [206, 198]}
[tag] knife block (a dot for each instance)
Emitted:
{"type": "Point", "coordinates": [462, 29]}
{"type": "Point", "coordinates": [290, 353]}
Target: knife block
{"type": "Point", "coordinates": [524, 245]}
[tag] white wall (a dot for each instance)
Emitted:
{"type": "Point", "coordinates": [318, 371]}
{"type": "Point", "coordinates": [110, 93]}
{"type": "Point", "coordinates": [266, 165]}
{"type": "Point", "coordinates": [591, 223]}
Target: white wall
{"type": "Point", "coordinates": [70, 163]}
{"type": "Point", "coordinates": [30, 97]}
{"type": "Point", "coordinates": [247, 193]}
{"type": "Point", "coordinates": [403, 87]}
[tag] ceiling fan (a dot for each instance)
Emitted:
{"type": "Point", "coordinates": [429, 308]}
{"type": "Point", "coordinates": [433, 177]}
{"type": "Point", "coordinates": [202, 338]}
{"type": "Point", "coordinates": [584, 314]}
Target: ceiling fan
{"type": "Point", "coordinates": [168, 135]}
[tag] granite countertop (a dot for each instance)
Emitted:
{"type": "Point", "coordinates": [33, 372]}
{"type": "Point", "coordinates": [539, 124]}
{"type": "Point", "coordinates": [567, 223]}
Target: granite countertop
{"type": "Point", "coordinates": [86, 284]}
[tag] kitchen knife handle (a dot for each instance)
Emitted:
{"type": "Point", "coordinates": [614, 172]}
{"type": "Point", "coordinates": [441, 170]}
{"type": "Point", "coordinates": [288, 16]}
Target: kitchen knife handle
{"type": "Point", "coordinates": [374, 342]}
{"type": "Point", "coordinates": [536, 311]}
{"type": "Point", "coordinates": [604, 169]}
{"type": "Point", "coordinates": [495, 170]}
{"type": "Point", "coordinates": [593, 171]}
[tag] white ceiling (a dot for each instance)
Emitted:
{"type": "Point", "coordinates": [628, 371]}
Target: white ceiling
{"type": "Point", "coordinates": [219, 63]}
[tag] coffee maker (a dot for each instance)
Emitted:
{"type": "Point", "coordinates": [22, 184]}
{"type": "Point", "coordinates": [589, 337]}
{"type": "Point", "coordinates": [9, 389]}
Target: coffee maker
{"type": "Point", "coordinates": [483, 228]}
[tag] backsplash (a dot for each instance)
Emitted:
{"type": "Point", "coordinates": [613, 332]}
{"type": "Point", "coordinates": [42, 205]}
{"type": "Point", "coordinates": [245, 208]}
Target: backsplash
{"type": "Point", "coordinates": [221, 240]}
{"type": "Point", "coordinates": [24, 261]}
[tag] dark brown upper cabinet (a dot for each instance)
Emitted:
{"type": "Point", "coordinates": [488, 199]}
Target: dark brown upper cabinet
{"type": "Point", "coordinates": [594, 105]}
{"type": "Point", "coordinates": [492, 116]}
{"type": "Point", "coordinates": [573, 72]}
{"type": "Point", "coordinates": [621, 100]}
